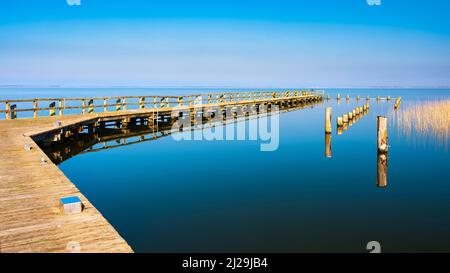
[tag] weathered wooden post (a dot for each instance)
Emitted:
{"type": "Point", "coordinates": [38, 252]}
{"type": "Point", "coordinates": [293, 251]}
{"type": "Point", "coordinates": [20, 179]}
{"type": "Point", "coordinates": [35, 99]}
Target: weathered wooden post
{"type": "Point", "coordinates": [168, 102]}
{"type": "Point", "coordinates": [378, 99]}
{"type": "Point", "coordinates": [91, 106]}
{"type": "Point", "coordinates": [8, 110]}
{"type": "Point", "coordinates": [397, 102]}
{"type": "Point", "coordinates": [348, 98]}
{"type": "Point", "coordinates": [83, 106]}
{"type": "Point", "coordinates": [124, 104]}
{"type": "Point", "coordinates": [338, 97]}
{"type": "Point", "coordinates": [339, 121]}
{"type": "Point", "coordinates": [354, 113]}
{"type": "Point", "coordinates": [141, 102]}
{"type": "Point", "coordinates": [13, 111]}
{"type": "Point", "coordinates": [162, 101]}
{"type": "Point", "coordinates": [382, 159]}
{"type": "Point", "coordinates": [367, 98]}
{"type": "Point", "coordinates": [350, 115]}
{"type": "Point", "coordinates": [105, 105]}
{"type": "Point", "coordinates": [60, 106]}
{"type": "Point", "coordinates": [118, 104]}
{"type": "Point", "coordinates": [358, 98]}
{"type": "Point", "coordinates": [382, 133]}
{"type": "Point", "coordinates": [388, 98]}
{"type": "Point", "coordinates": [345, 118]}
{"type": "Point", "coordinates": [328, 97]}
{"type": "Point", "coordinates": [328, 120]}
{"type": "Point", "coordinates": [35, 108]}
{"type": "Point", "coordinates": [328, 145]}
{"type": "Point", "coordinates": [52, 109]}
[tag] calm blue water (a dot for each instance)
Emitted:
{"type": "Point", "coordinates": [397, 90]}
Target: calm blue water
{"type": "Point", "coordinates": [228, 196]}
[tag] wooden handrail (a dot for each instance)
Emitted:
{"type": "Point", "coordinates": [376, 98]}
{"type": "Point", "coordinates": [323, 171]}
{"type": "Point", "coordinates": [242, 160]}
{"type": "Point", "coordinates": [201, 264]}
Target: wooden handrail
{"type": "Point", "coordinates": [88, 105]}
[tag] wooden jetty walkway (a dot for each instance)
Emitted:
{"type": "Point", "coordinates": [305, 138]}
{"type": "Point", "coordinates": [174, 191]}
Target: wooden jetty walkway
{"type": "Point", "coordinates": [31, 185]}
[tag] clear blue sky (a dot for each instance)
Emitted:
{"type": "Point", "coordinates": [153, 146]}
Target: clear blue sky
{"type": "Point", "coordinates": [315, 43]}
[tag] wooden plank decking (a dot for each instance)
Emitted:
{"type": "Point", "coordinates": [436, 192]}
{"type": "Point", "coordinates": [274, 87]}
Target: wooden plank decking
{"type": "Point", "coordinates": [30, 218]}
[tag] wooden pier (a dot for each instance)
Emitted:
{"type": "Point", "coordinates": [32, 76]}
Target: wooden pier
{"type": "Point", "coordinates": [31, 185]}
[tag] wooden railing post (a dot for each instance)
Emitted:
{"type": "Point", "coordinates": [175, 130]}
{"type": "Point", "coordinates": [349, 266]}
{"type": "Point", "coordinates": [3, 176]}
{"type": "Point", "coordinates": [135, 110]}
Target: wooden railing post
{"type": "Point", "coordinates": [8, 110]}
{"type": "Point", "coordinates": [141, 102]}
{"type": "Point", "coordinates": [35, 108]}
{"type": "Point", "coordinates": [124, 104]}
{"type": "Point", "coordinates": [52, 109]}
{"type": "Point", "coordinates": [83, 104]}
{"type": "Point", "coordinates": [180, 101]}
{"type": "Point", "coordinates": [155, 102]}
{"type": "Point", "coordinates": [91, 106]}
{"type": "Point", "coordinates": [118, 103]}
{"type": "Point", "coordinates": [13, 111]}
{"type": "Point", "coordinates": [60, 106]}
{"type": "Point", "coordinates": [105, 105]}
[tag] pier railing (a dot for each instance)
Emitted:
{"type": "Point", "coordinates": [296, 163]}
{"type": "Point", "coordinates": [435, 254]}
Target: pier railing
{"type": "Point", "coordinates": [33, 108]}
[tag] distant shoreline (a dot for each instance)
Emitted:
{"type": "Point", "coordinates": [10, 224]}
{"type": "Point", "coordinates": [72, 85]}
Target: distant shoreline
{"type": "Point", "coordinates": [209, 87]}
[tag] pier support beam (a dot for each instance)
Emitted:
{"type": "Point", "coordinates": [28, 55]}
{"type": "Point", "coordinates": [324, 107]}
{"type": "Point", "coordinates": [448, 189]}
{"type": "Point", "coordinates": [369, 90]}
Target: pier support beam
{"type": "Point", "coordinates": [328, 120]}
{"type": "Point", "coordinates": [382, 134]}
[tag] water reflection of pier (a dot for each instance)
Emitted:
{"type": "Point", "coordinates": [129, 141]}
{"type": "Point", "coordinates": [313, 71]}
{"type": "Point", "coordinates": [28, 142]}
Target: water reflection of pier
{"type": "Point", "coordinates": [114, 135]}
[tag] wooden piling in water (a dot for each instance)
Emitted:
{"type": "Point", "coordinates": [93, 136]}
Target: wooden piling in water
{"type": "Point", "coordinates": [397, 102]}
{"type": "Point", "coordinates": [338, 97]}
{"type": "Point", "coordinates": [339, 121]}
{"type": "Point", "coordinates": [328, 120]}
{"type": "Point", "coordinates": [345, 118]}
{"type": "Point", "coordinates": [382, 134]}
{"type": "Point", "coordinates": [350, 115]}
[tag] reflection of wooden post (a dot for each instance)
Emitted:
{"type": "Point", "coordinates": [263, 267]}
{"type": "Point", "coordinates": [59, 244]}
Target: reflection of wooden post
{"type": "Point", "coordinates": [357, 98]}
{"type": "Point", "coordinates": [397, 103]}
{"type": "Point", "coordinates": [382, 132]}
{"type": "Point", "coordinates": [340, 129]}
{"type": "Point", "coordinates": [382, 170]}
{"type": "Point", "coordinates": [328, 120]}
{"type": "Point", "coordinates": [328, 145]}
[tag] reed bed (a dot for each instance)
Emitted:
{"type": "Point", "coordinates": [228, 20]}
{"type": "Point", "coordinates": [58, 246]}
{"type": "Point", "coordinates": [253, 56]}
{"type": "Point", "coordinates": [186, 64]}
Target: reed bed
{"type": "Point", "coordinates": [429, 119]}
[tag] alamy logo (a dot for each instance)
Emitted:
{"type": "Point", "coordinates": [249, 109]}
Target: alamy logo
{"type": "Point", "coordinates": [73, 2]}
{"type": "Point", "coordinates": [374, 2]}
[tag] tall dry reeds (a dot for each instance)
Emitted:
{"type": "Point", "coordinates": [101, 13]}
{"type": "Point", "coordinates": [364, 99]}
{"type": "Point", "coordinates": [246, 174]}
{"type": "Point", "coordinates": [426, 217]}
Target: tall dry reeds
{"type": "Point", "coordinates": [429, 118]}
